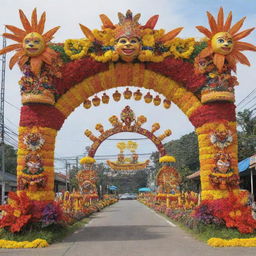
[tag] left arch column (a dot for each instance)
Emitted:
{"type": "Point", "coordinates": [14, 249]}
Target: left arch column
{"type": "Point", "coordinates": [35, 165]}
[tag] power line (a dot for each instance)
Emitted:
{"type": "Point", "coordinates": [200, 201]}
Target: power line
{"type": "Point", "coordinates": [252, 92]}
{"type": "Point", "coordinates": [130, 139]}
{"type": "Point", "coordinates": [12, 105]}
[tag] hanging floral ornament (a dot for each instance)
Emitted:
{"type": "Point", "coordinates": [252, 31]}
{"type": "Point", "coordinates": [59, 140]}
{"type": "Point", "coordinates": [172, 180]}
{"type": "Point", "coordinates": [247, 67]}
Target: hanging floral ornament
{"type": "Point", "coordinates": [87, 104]}
{"type": "Point", "coordinates": [127, 94]}
{"type": "Point", "coordinates": [96, 101]}
{"type": "Point", "coordinates": [116, 95]}
{"type": "Point", "coordinates": [137, 95]}
{"type": "Point", "coordinates": [105, 98]}
{"type": "Point", "coordinates": [157, 100]}
{"type": "Point", "coordinates": [148, 98]}
{"type": "Point", "coordinates": [166, 103]}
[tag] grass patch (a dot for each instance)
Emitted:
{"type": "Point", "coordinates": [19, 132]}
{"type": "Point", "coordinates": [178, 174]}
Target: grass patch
{"type": "Point", "coordinates": [51, 234]}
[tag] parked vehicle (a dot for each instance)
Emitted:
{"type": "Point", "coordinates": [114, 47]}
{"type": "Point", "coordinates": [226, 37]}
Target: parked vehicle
{"type": "Point", "coordinates": [127, 196]}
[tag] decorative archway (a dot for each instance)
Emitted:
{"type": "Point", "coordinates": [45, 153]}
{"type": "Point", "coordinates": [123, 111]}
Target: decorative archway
{"type": "Point", "coordinates": [126, 123]}
{"type": "Point", "coordinates": [196, 76]}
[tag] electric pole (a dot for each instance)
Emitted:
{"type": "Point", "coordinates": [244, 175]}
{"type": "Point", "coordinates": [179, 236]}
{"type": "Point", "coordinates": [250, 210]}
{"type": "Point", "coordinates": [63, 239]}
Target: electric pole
{"type": "Point", "coordinates": [3, 60]}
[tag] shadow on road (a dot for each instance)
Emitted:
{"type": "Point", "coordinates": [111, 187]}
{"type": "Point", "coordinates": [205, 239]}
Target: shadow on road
{"type": "Point", "coordinates": [118, 233]}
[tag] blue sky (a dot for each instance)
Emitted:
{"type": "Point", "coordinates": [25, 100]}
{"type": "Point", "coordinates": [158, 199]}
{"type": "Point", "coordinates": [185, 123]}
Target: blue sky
{"type": "Point", "coordinates": [173, 13]}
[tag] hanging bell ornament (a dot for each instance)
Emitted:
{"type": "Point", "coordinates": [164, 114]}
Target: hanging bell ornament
{"type": "Point", "coordinates": [148, 98]}
{"type": "Point", "coordinates": [116, 96]}
{"type": "Point", "coordinates": [87, 104]}
{"type": "Point", "coordinates": [96, 101]}
{"type": "Point", "coordinates": [137, 95]}
{"type": "Point", "coordinates": [166, 103]}
{"type": "Point", "coordinates": [105, 98]}
{"type": "Point", "coordinates": [127, 94]}
{"type": "Point", "coordinates": [157, 100]}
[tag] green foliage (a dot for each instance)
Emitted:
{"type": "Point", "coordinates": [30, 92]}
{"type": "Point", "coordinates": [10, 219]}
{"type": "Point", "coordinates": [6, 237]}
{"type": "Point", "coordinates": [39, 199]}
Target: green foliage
{"type": "Point", "coordinates": [185, 150]}
{"type": "Point", "coordinates": [60, 49]}
{"type": "Point", "coordinates": [246, 145]}
{"type": "Point", "coordinates": [247, 122]}
{"type": "Point", "coordinates": [10, 159]}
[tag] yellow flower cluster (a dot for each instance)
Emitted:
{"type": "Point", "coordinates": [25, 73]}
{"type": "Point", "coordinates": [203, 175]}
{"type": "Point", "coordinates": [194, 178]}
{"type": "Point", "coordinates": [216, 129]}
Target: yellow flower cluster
{"type": "Point", "coordinates": [109, 55]}
{"type": "Point", "coordinates": [243, 242]}
{"type": "Point", "coordinates": [106, 37]}
{"type": "Point", "coordinates": [167, 159]}
{"type": "Point", "coordinates": [9, 244]}
{"type": "Point", "coordinates": [181, 48]}
{"type": "Point", "coordinates": [87, 160]}
{"type": "Point", "coordinates": [76, 48]}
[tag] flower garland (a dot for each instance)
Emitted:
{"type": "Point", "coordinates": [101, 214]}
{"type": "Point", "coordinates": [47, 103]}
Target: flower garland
{"type": "Point", "coordinates": [76, 71]}
{"type": "Point", "coordinates": [41, 116]}
{"type": "Point", "coordinates": [182, 48]}
{"type": "Point", "coordinates": [213, 112]}
{"type": "Point", "coordinates": [180, 71]}
{"type": "Point", "coordinates": [241, 242]}
{"type": "Point", "coordinates": [76, 49]}
{"type": "Point", "coordinates": [37, 243]}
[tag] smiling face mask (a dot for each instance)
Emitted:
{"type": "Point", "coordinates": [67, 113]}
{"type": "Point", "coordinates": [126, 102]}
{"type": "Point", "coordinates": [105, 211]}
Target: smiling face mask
{"type": "Point", "coordinates": [222, 43]}
{"type": "Point", "coordinates": [128, 48]}
{"type": "Point", "coordinates": [33, 44]}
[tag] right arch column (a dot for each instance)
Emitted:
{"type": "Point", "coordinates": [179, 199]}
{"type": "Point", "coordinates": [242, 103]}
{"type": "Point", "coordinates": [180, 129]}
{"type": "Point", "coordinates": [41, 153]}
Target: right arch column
{"type": "Point", "coordinates": [215, 125]}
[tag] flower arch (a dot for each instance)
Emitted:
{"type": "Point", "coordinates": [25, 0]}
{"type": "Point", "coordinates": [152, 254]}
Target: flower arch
{"type": "Point", "coordinates": [195, 75]}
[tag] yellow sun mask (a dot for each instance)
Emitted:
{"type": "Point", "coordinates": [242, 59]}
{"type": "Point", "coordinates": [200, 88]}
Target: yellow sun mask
{"type": "Point", "coordinates": [33, 44]}
{"type": "Point", "coordinates": [222, 43]}
{"type": "Point", "coordinates": [128, 48]}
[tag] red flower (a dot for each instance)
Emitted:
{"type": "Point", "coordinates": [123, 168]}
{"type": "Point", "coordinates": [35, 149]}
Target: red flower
{"type": "Point", "coordinates": [180, 71]}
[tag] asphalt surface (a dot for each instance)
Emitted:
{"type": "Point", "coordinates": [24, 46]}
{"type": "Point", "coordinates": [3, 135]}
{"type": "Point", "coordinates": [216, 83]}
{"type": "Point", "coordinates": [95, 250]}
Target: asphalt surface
{"type": "Point", "coordinates": [129, 228]}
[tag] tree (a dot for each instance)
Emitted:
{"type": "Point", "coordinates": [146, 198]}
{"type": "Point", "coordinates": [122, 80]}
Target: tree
{"type": "Point", "coordinates": [10, 159]}
{"type": "Point", "coordinates": [247, 122]}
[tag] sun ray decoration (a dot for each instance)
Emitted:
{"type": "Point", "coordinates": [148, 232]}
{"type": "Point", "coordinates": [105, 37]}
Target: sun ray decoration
{"type": "Point", "coordinates": [32, 44]}
{"type": "Point", "coordinates": [224, 45]}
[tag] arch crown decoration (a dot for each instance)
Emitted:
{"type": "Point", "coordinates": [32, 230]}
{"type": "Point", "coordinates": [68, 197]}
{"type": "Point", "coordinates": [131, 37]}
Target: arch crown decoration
{"type": "Point", "coordinates": [195, 75]}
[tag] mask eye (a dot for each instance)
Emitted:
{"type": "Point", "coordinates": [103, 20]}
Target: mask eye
{"type": "Point", "coordinates": [123, 41]}
{"type": "Point", "coordinates": [37, 42]}
{"type": "Point", "coordinates": [27, 41]}
{"type": "Point", "coordinates": [221, 41]}
{"type": "Point", "coordinates": [134, 41]}
{"type": "Point", "coordinates": [230, 42]}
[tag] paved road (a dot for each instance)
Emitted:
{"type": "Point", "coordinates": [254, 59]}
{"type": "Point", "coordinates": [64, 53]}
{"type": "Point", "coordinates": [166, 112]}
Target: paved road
{"type": "Point", "coordinates": [129, 228]}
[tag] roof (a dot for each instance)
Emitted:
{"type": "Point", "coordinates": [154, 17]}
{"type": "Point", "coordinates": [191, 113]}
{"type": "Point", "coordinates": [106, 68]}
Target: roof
{"type": "Point", "coordinates": [194, 175]}
{"type": "Point", "coordinates": [247, 163]}
{"type": "Point", "coordinates": [8, 177]}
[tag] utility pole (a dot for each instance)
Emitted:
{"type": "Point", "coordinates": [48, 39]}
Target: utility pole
{"type": "Point", "coordinates": [66, 179]}
{"type": "Point", "coordinates": [3, 60]}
